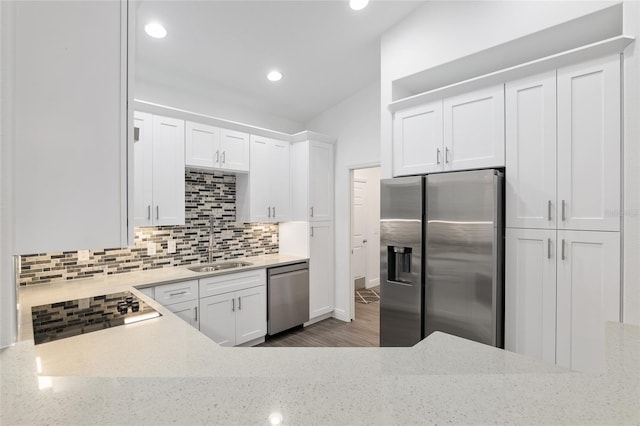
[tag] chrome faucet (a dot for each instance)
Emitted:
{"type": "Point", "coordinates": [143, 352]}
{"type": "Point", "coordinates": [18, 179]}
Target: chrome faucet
{"type": "Point", "coordinates": [211, 221]}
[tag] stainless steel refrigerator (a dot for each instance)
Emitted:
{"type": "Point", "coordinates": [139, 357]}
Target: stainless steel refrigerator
{"type": "Point", "coordinates": [441, 260]}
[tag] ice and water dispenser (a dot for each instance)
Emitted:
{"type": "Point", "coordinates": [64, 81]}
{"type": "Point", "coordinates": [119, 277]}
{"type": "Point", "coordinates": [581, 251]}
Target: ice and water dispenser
{"type": "Point", "coordinates": [399, 264]}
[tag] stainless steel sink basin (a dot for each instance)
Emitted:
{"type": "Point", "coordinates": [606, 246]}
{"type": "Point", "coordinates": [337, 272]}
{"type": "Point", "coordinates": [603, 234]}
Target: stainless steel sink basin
{"type": "Point", "coordinates": [219, 266]}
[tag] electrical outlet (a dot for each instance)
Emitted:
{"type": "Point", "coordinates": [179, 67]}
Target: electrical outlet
{"type": "Point", "coordinates": [151, 249]}
{"type": "Point", "coordinates": [274, 239]}
{"type": "Point", "coordinates": [83, 255]}
{"type": "Point", "coordinates": [171, 246]}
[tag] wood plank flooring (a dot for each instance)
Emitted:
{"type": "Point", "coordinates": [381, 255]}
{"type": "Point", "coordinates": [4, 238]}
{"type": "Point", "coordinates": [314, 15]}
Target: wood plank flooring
{"type": "Point", "coordinates": [364, 331]}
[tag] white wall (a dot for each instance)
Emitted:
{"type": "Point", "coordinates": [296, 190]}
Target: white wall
{"type": "Point", "coordinates": [7, 284]}
{"type": "Point", "coordinates": [355, 122]}
{"type": "Point", "coordinates": [631, 153]}
{"type": "Point", "coordinates": [372, 225]}
{"type": "Point", "coordinates": [218, 102]}
{"type": "Point", "coordinates": [445, 31]}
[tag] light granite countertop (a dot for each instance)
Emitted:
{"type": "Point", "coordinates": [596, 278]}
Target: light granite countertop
{"type": "Point", "coordinates": [162, 371]}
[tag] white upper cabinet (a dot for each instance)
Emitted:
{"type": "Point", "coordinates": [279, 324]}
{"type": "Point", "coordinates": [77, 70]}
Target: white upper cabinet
{"type": "Point", "coordinates": [209, 147]}
{"type": "Point", "coordinates": [589, 145]}
{"type": "Point", "coordinates": [474, 130]}
{"type": "Point", "coordinates": [142, 168]}
{"type": "Point", "coordinates": [530, 293]}
{"type": "Point", "coordinates": [265, 194]}
{"type": "Point", "coordinates": [417, 140]}
{"type": "Point", "coordinates": [234, 150]}
{"type": "Point", "coordinates": [202, 145]}
{"type": "Point", "coordinates": [158, 170]}
{"type": "Point", "coordinates": [320, 181]}
{"type": "Point", "coordinates": [68, 142]}
{"type": "Point", "coordinates": [458, 133]}
{"type": "Point", "coordinates": [588, 296]}
{"type": "Point", "coordinates": [312, 180]}
{"type": "Point", "coordinates": [531, 152]}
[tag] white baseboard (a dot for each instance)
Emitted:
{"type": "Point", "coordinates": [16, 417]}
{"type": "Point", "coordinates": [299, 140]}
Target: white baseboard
{"type": "Point", "coordinates": [341, 315]}
{"type": "Point", "coordinates": [318, 319]}
{"type": "Point", "coordinates": [373, 283]}
{"type": "Point", "coordinates": [252, 342]}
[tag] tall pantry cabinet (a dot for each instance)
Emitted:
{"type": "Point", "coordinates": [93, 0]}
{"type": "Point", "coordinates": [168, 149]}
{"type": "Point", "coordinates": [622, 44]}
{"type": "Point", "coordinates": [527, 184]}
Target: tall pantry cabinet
{"type": "Point", "coordinates": [562, 213]}
{"type": "Point", "coordinates": [311, 232]}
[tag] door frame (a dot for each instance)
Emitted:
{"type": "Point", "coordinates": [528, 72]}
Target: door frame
{"type": "Point", "coordinates": [351, 306]}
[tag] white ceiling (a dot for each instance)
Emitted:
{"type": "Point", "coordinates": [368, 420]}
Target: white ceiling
{"type": "Point", "coordinates": [325, 50]}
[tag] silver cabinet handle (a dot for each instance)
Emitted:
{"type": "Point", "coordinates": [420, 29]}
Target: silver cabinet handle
{"type": "Point", "coordinates": [233, 305]}
{"type": "Point", "coordinates": [179, 293]}
{"type": "Point", "coordinates": [563, 213]}
{"type": "Point", "coordinates": [563, 257]}
{"type": "Point", "coordinates": [195, 311]}
{"type": "Point", "coordinates": [312, 231]}
{"type": "Point", "coordinates": [149, 212]}
{"type": "Point", "coordinates": [549, 210]}
{"type": "Point", "coordinates": [446, 155]}
{"type": "Point", "coordinates": [269, 209]}
{"type": "Point", "coordinates": [274, 211]}
{"type": "Point", "coordinates": [311, 211]}
{"type": "Point", "coordinates": [437, 155]}
{"type": "Point", "coordinates": [217, 156]}
{"type": "Point", "coordinates": [224, 157]}
{"type": "Point", "coordinates": [239, 303]}
{"type": "Point", "coordinates": [548, 248]}
{"type": "Point", "coordinates": [157, 212]}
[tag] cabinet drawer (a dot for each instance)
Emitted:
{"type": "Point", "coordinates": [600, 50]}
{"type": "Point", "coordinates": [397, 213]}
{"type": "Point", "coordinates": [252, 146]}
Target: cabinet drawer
{"type": "Point", "coordinates": [231, 282]}
{"type": "Point", "coordinates": [177, 292]}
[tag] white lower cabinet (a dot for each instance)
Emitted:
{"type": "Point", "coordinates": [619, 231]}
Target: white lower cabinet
{"type": "Point", "coordinates": [234, 311]}
{"type": "Point", "coordinates": [188, 311]}
{"type": "Point", "coordinates": [530, 293]}
{"type": "Point", "coordinates": [588, 296]}
{"type": "Point", "coordinates": [560, 289]}
{"type": "Point", "coordinates": [321, 290]}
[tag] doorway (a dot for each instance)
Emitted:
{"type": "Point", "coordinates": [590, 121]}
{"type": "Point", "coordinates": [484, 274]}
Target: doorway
{"type": "Point", "coordinates": [365, 244]}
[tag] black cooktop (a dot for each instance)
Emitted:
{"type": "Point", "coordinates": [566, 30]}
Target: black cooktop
{"type": "Point", "coordinates": [73, 317]}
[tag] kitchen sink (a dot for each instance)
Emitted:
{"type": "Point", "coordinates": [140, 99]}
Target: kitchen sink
{"type": "Point", "coordinates": [219, 266]}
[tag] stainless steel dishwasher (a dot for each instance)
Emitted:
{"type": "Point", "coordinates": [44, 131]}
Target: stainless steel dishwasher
{"type": "Point", "coordinates": [287, 296]}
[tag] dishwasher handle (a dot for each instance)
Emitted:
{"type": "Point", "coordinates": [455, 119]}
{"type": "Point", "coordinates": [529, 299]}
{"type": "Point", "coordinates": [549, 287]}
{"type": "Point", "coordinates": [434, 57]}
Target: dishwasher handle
{"type": "Point", "coordinates": [279, 270]}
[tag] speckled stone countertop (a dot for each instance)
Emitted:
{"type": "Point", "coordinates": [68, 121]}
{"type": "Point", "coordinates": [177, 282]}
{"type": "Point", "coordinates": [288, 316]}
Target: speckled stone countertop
{"type": "Point", "coordinates": [162, 371]}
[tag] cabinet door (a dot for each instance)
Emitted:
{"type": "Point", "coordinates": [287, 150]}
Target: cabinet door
{"type": "Point", "coordinates": [589, 145]}
{"type": "Point", "coordinates": [187, 311]}
{"type": "Point", "coordinates": [531, 152]}
{"type": "Point", "coordinates": [218, 318]}
{"type": "Point", "coordinates": [234, 150]}
{"type": "Point", "coordinates": [251, 315]}
{"type": "Point", "coordinates": [588, 295]}
{"type": "Point", "coordinates": [168, 171]}
{"type": "Point", "coordinates": [417, 140]}
{"type": "Point", "coordinates": [202, 145]}
{"type": "Point", "coordinates": [259, 187]}
{"type": "Point", "coordinates": [530, 293]}
{"type": "Point", "coordinates": [279, 181]}
{"type": "Point", "coordinates": [320, 181]}
{"type": "Point", "coordinates": [321, 289]}
{"type": "Point", "coordinates": [142, 168]}
{"type": "Point", "coordinates": [474, 130]}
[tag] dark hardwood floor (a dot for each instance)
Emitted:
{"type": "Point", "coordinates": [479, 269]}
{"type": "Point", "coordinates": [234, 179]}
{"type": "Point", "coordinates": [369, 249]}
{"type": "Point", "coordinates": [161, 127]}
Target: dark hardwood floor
{"type": "Point", "coordinates": [364, 331]}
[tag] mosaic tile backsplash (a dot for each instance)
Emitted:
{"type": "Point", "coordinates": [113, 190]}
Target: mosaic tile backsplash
{"type": "Point", "coordinates": [206, 194]}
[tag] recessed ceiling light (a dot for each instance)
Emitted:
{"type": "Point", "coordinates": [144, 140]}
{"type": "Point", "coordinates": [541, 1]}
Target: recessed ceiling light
{"type": "Point", "coordinates": [274, 75]}
{"type": "Point", "coordinates": [358, 4]}
{"type": "Point", "coordinates": [155, 30]}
